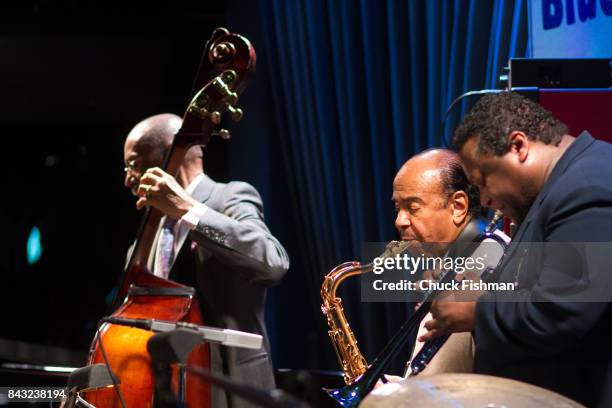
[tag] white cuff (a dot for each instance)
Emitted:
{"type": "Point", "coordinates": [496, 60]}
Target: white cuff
{"type": "Point", "coordinates": [193, 216]}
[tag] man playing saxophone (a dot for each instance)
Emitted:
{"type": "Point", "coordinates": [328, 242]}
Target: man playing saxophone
{"type": "Point", "coordinates": [437, 215]}
{"type": "Point", "coordinates": [436, 205]}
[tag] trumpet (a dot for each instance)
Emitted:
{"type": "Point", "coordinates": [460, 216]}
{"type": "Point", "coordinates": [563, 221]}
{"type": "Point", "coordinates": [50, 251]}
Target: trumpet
{"type": "Point", "coordinates": [359, 377]}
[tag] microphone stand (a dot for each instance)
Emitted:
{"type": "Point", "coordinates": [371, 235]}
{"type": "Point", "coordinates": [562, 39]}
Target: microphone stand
{"type": "Point", "coordinates": [264, 398]}
{"type": "Point", "coordinates": [165, 349]}
{"type": "Point", "coordinates": [174, 347]}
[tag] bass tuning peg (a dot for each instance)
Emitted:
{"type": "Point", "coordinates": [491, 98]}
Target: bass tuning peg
{"type": "Point", "coordinates": [236, 113]}
{"type": "Point", "coordinates": [222, 133]}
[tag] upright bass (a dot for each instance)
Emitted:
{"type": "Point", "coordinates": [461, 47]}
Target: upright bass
{"type": "Point", "coordinates": [226, 65]}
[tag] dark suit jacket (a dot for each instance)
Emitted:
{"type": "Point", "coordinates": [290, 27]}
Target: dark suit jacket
{"type": "Point", "coordinates": [231, 258]}
{"type": "Point", "coordinates": [554, 330]}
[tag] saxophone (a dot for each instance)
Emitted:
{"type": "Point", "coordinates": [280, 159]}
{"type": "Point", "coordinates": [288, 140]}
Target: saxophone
{"type": "Point", "coordinates": [351, 360]}
{"type": "Point", "coordinates": [360, 377]}
{"type": "Point", "coordinates": [345, 345]}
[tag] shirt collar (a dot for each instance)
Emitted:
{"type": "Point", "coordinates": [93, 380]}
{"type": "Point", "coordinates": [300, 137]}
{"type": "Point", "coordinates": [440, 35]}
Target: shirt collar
{"type": "Point", "coordinates": [194, 183]}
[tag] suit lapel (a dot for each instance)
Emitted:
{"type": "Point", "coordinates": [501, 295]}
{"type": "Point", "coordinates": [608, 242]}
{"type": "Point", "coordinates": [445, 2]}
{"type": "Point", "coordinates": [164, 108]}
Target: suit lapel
{"type": "Point", "coordinates": [515, 243]}
{"type": "Point", "coordinates": [204, 189]}
{"type": "Point", "coordinates": [202, 193]}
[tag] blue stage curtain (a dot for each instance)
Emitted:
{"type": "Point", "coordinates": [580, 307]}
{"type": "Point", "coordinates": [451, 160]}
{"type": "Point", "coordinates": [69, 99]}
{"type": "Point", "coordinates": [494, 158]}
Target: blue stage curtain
{"type": "Point", "coordinates": [352, 90]}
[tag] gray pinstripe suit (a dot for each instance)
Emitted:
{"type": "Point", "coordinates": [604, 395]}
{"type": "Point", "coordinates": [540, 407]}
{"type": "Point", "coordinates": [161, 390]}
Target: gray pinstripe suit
{"type": "Point", "coordinates": [235, 258]}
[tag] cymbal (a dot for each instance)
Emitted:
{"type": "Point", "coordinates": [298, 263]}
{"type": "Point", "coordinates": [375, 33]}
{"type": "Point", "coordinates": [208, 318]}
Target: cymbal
{"type": "Point", "coordinates": [466, 391]}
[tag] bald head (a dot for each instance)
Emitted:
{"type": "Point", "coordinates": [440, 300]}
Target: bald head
{"type": "Point", "coordinates": [148, 143]}
{"type": "Point", "coordinates": [438, 170]}
{"type": "Point", "coordinates": [430, 168]}
{"type": "Point", "coordinates": [154, 133]}
{"type": "Point", "coordinates": [432, 197]}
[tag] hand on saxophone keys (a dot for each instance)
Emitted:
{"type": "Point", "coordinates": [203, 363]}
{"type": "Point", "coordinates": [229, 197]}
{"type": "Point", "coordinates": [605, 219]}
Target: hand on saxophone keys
{"type": "Point", "coordinates": [449, 316]}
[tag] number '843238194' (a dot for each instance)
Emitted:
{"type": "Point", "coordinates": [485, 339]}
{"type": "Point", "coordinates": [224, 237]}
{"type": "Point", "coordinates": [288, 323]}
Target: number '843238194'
{"type": "Point", "coordinates": [32, 394]}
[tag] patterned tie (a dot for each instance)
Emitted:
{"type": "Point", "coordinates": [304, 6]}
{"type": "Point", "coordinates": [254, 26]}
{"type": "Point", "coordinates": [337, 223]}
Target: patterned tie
{"type": "Point", "coordinates": [166, 247]}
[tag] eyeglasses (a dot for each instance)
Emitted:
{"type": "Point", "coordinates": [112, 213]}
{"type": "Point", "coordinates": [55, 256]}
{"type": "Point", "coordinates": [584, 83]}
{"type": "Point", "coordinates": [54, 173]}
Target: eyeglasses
{"type": "Point", "coordinates": [139, 164]}
{"type": "Point", "coordinates": [130, 166]}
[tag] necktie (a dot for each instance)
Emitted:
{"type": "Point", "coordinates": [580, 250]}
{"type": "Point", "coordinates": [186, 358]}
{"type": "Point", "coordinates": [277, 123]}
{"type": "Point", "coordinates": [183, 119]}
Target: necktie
{"type": "Point", "coordinates": [166, 247]}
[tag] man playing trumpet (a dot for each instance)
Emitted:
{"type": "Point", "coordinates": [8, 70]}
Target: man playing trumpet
{"type": "Point", "coordinates": [554, 330]}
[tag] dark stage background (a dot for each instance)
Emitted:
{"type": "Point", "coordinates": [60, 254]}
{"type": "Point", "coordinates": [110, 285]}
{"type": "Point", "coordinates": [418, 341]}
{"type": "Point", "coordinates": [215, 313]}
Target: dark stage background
{"type": "Point", "coordinates": [344, 93]}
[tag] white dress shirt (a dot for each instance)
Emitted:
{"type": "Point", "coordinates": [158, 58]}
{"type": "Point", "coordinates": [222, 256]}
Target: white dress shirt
{"type": "Point", "coordinates": [188, 222]}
